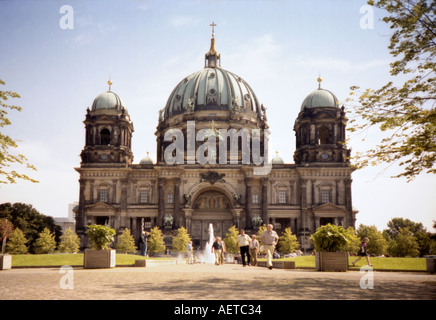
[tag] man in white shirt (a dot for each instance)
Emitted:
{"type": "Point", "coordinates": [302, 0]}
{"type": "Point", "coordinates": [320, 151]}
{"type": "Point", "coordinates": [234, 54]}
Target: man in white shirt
{"type": "Point", "coordinates": [243, 242]}
{"type": "Point", "coordinates": [270, 239]}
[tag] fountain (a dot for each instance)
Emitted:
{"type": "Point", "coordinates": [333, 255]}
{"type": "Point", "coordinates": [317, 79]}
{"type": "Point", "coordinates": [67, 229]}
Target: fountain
{"type": "Point", "coordinates": [209, 257]}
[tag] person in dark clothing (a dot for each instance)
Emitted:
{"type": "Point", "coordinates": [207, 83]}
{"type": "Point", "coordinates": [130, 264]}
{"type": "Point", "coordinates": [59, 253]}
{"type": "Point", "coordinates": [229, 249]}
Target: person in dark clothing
{"type": "Point", "coordinates": [363, 252]}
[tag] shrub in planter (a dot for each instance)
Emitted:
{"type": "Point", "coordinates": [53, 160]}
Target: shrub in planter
{"type": "Point", "coordinates": [100, 255]}
{"type": "Point", "coordinates": [329, 240]}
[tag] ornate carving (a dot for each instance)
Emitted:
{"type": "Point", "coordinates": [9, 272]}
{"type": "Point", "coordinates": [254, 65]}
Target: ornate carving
{"type": "Point", "coordinates": [212, 177]}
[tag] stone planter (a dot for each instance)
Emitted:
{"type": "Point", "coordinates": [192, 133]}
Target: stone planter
{"type": "Point", "coordinates": [96, 259]}
{"type": "Point", "coordinates": [431, 265]}
{"type": "Point", "coordinates": [331, 261]}
{"type": "Point", "coordinates": [278, 264]}
{"type": "Point", "coordinates": [5, 261]}
{"type": "Point", "coordinates": [140, 263]}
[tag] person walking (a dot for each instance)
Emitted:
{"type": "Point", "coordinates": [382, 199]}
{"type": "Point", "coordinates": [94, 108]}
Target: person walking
{"type": "Point", "coordinates": [362, 252]}
{"type": "Point", "coordinates": [143, 243]}
{"type": "Point", "coordinates": [218, 247]}
{"type": "Point", "coordinates": [243, 243]}
{"type": "Point", "coordinates": [190, 252]}
{"type": "Point", "coordinates": [270, 239]}
{"type": "Point", "coordinates": [254, 250]}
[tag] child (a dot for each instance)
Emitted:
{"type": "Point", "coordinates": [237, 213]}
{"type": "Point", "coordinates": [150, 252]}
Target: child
{"type": "Point", "coordinates": [362, 252]}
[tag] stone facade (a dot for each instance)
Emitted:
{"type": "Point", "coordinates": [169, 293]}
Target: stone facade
{"type": "Point", "coordinates": [313, 191]}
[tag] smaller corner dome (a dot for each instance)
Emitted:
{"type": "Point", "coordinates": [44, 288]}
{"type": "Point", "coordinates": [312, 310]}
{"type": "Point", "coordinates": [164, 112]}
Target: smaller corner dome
{"type": "Point", "coordinates": [146, 160]}
{"type": "Point", "coordinates": [107, 100]}
{"type": "Point", "coordinates": [320, 98]}
{"type": "Point", "coordinates": [277, 159]}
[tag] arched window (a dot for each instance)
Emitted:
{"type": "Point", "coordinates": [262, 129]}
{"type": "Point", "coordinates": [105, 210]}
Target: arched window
{"type": "Point", "coordinates": [105, 137]}
{"type": "Point", "coordinates": [324, 135]}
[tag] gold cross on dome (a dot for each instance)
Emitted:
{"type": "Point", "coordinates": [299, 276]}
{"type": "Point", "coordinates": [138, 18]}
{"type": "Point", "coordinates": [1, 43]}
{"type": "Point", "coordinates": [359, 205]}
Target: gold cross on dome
{"type": "Point", "coordinates": [213, 25]}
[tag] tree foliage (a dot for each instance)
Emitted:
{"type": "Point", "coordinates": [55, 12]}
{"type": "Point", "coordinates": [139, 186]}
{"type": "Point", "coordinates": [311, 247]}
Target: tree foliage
{"type": "Point", "coordinates": [230, 240]}
{"type": "Point", "coordinates": [7, 157]}
{"type": "Point", "coordinates": [126, 242]}
{"type": "Point", "coordinates": [70, 242]}
{"type": "Point", "coordinates": [396, 226]}
{"type": "Point", "coordinates": [156, 243]}
{"type": "Point", "coordinates": [181, 240]}
{"type": "Point", "coordinates": [331, 238]}
{"type": "Point", "coordinates": [377, 244]}
{"type": "Point", "coordinates": [288, 242]}
{"type": "Point", "coordinates": [6, 228]}
{"type": "Point", "coordinates": [45, 243]}
{"type": "Point", "coordinates": [100, 236]}
{"type": "Point", "coordinates": [405, 112]}
{"type": "Point", "coordinates": [29, 220]}
{"type": "Point", "coordinates": [404, 245]}
{"type": "Point", "coordinates": [17, 243]}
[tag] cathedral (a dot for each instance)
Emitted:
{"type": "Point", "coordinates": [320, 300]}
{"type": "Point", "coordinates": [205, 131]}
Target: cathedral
{"type": "Point", "coordinates": [212, 164]}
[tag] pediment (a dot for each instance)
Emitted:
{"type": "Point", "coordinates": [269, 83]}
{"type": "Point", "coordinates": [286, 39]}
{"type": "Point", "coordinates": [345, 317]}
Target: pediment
{"type": "Point", "coordinates": [101, 207]}
{"type": "Point", "coordinates": [328, 208]}
{"type": "Point", "coordinates": [105, 117]}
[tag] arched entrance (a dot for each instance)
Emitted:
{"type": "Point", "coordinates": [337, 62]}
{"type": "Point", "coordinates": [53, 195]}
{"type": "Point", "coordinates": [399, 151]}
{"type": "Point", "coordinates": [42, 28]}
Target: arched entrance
{"type": "Point", "coordinates": [211, 206]}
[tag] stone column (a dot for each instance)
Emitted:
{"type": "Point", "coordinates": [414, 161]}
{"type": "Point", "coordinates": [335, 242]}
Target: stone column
{"type": "Point", "coordinates": [350, 221]}
{"type": "Point", "coordinates": [248, 201]}
{"type": "Point", "coordinates": [303, 232]}
{"type": "Point", "coordinates": [80, 217]}
{"type": "Point", "coordinates": [264, 211]}
{"type": "Point", "coordinates": [177, 203]}
{"type": "Point", "coordinates": [188, 218]}
{"type": "Point", "coordinates": [123, 205]}
{"type": "Point", "coordinates": [161, 202]}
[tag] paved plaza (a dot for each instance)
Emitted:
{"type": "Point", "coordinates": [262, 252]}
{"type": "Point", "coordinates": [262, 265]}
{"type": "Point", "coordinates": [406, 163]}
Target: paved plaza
{"type": "Point", "coordinates": [210, 282]}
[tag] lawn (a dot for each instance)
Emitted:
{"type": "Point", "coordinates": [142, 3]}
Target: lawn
{"type": "Point", "coordinates": [29, 260]}
{"type": "Point", "coordinates": [32, 260]}
{"type": "Point", "coordinates": [409, 264]}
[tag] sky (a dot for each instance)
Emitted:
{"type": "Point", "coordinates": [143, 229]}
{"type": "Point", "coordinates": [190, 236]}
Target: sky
{"type": "Point", "coordinates": [60, 58]}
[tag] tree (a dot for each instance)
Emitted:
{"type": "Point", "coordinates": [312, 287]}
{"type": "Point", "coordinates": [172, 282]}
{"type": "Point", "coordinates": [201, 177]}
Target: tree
{"type": "Point", "coordinates": [45, 243]}
{"type": "Point", "coordinates": [7, 158]}
{"type": "Point", "coordinates": [156, 243]}
{"type": "Point", "coordinates": [396, 224]}
{"type": "Point", "coordinates": [354, 241]}
{"type": "Point", "coordinates": [416, 228]}
{"type": "Point", "coordinates": [230, 240]}
{"type": "Point", "coordinates": [405, 112]}
{"type": "Point", "coordinates": [70, 242]}
{"type": "Point", "coordinates": [6, 228]}
{"type": "Point", "coordinates": [288, 242]}
{"type": "Point", "coordinates": [17, 243]}
{"type": "Point", "coordinates": [126, 242]}
{"type": "Point", "coordinates": [29, 220]}
{"type": "Point", "coordinates": [181, 240]}
{"type": "Point", "coordinates": [377, 244]}
{"type": "Point", "coordinates": [404, 245]}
